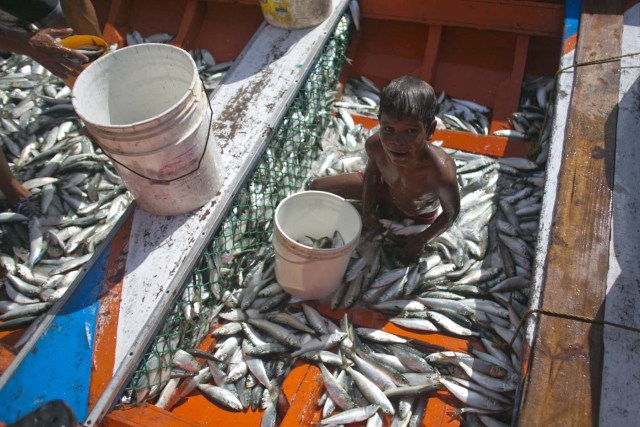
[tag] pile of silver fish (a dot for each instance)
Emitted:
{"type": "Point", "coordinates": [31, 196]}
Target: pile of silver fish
{"type": "Point", "coordinates": [470, 282]}
{"type": "Point", "coordinates": [528, 121]}
{"type": "Point", "coordinates": [76, 193]}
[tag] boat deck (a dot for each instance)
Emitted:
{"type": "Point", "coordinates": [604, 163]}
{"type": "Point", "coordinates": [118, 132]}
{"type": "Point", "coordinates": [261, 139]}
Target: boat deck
{"type": "Point", "coordinates": [579, 373]}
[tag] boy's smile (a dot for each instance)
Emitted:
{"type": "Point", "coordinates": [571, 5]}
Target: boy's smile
{"type": "Point", "coordinates": [401, 138]}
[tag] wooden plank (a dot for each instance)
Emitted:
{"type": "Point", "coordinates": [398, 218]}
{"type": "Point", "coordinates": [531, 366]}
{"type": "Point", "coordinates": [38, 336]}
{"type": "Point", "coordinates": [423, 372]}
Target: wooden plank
{"type": "Point", "coordinates": [564, 91]}
{"type": "Point", "coordinates": [430, 59]}
{"type": "Point", "coordinates": [193, 16]}
{"type": "Point", "coordinates": [105, 336]}
{"type": "Point", "coordinates": [563, 385]}
{"type": "Point", "coordinates": [620, 385]}
{"type": "Point", "coordinates": [521, 17]}
{"type": "Point", "coordinates": [508, 93]}
{"type": "Point", "coordinates": [143, 416]}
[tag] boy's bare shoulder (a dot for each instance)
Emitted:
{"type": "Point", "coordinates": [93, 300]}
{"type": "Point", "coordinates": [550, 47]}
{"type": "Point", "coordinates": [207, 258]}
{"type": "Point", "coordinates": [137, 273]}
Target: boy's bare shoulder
{"type": "Point", "coordinates": [373, 142]}
{"type": "Point", "coordinates": [435, 153]}
{"type": "Point", "coordinates": [438, 156]}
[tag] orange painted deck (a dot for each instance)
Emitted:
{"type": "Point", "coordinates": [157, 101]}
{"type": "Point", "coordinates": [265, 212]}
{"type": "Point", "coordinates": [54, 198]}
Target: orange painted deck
{"type": "Point", "coordinates": [301, 389]}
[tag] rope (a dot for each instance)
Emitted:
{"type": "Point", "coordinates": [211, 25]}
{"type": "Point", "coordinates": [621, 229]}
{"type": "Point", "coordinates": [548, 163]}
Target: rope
{"type": "Point", "coordinates": [560, 314]}
{"type": "Point", "coordinates": [555, 78]}
{"type": "Point", "coordinates": [568, 316]}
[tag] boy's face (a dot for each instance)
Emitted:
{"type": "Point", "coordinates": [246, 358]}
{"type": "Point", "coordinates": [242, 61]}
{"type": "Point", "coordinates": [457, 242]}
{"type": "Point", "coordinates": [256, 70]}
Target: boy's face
{"type": "Point", "coordinates": [401, 139]}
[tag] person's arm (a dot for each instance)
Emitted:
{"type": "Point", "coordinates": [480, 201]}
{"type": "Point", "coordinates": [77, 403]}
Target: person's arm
{"type": "Point", "coordinates": [81, 16]}
{"type": "Point", "coordinates": [370, 188]}
{"type": "Point", "coordinates": [449, 196]}
{"type": "Point", "coordinates": [44, 49]}
{"type": "Point", "coordinates": [9, 185]}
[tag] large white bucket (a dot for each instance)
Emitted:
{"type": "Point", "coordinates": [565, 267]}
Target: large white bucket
{"type": "Point", "coordinates": [146, 108]}
{"type": "Point", "coordinates": [303, 271]}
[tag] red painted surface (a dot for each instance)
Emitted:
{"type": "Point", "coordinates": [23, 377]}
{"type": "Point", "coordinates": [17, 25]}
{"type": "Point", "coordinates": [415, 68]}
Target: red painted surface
{"type": "Point", "coordinates": [104, 347]}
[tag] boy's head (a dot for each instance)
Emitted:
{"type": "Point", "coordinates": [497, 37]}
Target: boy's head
{"type": "Point", "coordinates": [408, 96]}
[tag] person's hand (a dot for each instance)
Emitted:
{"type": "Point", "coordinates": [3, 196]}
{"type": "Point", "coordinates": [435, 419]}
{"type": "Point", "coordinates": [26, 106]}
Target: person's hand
{"type": "Point", "coordinates": [61, 61]}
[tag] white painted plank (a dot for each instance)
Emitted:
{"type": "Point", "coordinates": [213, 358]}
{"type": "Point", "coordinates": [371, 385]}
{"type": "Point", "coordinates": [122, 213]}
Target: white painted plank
{"type": "Point", "coordinates": [564, 88]}
{"type": "Point", "coordinates": [621, 370]}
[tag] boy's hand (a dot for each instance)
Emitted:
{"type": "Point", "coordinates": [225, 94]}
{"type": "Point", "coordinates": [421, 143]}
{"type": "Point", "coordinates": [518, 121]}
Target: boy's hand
{"type": "Point", "coordinates": [413, 248]}
{"type": "Point", "coordinates": [371, 222]}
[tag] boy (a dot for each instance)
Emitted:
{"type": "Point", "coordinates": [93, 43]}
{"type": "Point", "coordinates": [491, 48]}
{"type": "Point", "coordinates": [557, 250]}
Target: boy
{"type": "Point", "coordinates": [416, 179]}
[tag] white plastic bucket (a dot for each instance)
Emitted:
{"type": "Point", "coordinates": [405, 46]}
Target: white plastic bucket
{"type": "Point", "coordinates": [294, 14]}
{"type": "Point", "coordinates": [146, 108]}
{"type": "Point", "coordinates": [301, 270]}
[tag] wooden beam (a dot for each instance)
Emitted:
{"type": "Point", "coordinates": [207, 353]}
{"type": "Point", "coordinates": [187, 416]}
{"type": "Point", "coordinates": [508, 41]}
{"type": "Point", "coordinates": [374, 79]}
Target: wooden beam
{"type": "Point", "coordinates": [564, 378]}
{"type": "Point", "coordinates": [522, 17]}
{"type": "Point", "coordinates": [508, 96]}
{"type": "Point", "coordinates": [431, 53]}
{"type": "Point", "coordinates": [147, 415]}
{"type": "Point", "coordinates": [116, 19]}
{"type": "Point", "coordinates": [190, 24]}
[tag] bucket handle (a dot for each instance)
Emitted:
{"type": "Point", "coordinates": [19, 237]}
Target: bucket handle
{"type": "Point", "coordinates": [161, 181]}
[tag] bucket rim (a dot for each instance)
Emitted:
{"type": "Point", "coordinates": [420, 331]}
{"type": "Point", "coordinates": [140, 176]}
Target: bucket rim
{"type": "Point", "coordinates": [84, 76]}
{"type": "Point", "coordinates": [322, 252]}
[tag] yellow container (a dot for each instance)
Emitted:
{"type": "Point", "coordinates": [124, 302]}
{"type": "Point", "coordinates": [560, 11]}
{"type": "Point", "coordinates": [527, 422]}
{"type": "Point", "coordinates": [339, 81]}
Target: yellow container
{"type": "Point", "coordinates": [294, 14]}
{"type": "Point", "coordinates": [91, 46]}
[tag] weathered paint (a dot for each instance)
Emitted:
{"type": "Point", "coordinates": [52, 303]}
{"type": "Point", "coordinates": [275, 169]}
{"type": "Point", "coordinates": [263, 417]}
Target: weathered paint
{"type": "Point", "coordinates": [564, 90]}
{"type": "Point", "coordinates": [621, 370]}
{"type": "Point", "coordinates": [58, 366]}
{"type": "Point", "coordinates": [106, 328]}
{"type": "Point", "coordinates": [563, 381]}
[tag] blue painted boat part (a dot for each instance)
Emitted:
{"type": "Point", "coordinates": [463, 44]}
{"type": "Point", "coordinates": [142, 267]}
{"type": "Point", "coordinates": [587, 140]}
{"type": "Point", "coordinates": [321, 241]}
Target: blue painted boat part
{"type": "Point", "coordinates": [59, 364]}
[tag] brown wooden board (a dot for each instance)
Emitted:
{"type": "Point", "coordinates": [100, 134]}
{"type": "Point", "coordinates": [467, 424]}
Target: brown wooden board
{"type": "Point", "coordinates": [565, 372]}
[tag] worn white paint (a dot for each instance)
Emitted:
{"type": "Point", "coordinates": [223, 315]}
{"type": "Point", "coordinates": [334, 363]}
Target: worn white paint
{"type": "Point", "coordinates": [564, 88]}
{"type": "Point", "coordinates": [621, 366]}
{"type": "Point", "coordinates": [247, 106]}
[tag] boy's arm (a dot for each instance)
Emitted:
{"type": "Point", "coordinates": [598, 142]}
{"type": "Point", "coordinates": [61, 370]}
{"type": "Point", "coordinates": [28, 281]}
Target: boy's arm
{"type": "Point", "coordinates": [370, 188]}
{"type": "Point", "coordinates": [449, 196]}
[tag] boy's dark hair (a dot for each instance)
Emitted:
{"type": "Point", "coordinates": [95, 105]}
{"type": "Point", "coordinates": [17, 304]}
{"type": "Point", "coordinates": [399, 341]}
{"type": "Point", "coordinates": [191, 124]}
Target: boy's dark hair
{"type": "Point", "coordinates": [408, 96]}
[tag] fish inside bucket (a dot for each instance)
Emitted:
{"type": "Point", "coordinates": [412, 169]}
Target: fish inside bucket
{"type": "Point", "coordinates": [314, 237]}
{"type": "Point", "coordinates": [324, 242]}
